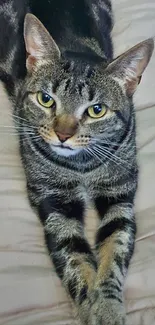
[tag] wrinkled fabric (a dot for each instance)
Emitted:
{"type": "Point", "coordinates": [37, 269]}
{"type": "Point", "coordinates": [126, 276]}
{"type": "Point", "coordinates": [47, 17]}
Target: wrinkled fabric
{"type": "Point", "coordinates": [30, 292]}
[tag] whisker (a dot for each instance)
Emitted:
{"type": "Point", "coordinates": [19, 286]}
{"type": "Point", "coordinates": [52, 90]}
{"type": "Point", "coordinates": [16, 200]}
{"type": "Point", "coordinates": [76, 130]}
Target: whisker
{"type": "Point", "coordinates": [93, 154]}
{"type": "Point", "coordinates": [17, 123]}
{"type": "Point", "coordinates": [113, 158]}
{"type": "Point", "coordinates": [16, 133]}
{"type": "Point", "coordinates": [108, 155]}
{"type": "Point", "coordinates": [105, 155]}
{"type": "Point", "coordinates": [11, 127]}
{"type": "Point", "coordinates": [32, 138]}
{"type": "Point", "coordinates": [23, 124]}
{"type": "Point", "coordinates": [101, 149]}
{"type": "Point", "coordinates": [104, 141]}
{"type": "Point", "coordinates": [16, 118]}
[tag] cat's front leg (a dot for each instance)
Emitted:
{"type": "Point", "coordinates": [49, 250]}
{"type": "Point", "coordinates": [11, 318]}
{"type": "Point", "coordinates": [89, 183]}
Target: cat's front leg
{"type": "Point", "coordinates": [73, 259]}
{"type": "Point", "coordinates": [115, 244]}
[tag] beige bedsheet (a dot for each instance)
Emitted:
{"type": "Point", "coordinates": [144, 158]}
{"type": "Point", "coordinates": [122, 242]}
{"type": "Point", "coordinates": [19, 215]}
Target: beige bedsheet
{"type": "Point", "coordinates": [30, 292]}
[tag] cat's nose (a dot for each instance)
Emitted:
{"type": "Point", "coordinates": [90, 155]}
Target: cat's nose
{"type": "Point", "coordinates": [62, 136]}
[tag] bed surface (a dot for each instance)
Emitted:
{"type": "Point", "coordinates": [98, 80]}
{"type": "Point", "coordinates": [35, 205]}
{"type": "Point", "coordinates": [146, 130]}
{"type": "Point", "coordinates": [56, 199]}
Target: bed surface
{"type": "Point", "coordinates": [30, 292]}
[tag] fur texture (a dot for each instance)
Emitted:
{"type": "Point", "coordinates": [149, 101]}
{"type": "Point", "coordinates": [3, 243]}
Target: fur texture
{"type": "Point", "coordinates": [71, 158]}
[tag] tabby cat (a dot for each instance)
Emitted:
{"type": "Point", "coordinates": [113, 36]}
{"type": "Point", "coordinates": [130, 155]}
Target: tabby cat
{"type": "Point", "coordinates": [73, 103]}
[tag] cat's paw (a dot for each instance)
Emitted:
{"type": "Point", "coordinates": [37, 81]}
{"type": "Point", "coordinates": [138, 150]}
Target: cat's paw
{"type": "Point", "coordinates": [107, 312]}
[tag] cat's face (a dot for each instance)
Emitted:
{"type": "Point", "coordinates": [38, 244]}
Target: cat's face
{"type": "Point", "coordinates": [74, 111]}
{"type": "Point", "coordinates": [75, 105]}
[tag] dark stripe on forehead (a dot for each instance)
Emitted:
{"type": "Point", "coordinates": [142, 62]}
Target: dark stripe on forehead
{"type": "Point", "coordinates": [56, 84]}
{"type": "Point", "coordinates": [66, 66]}
{"type": "Point", "coordinates": [68, 81]}
{"type": "Point", "coordinates": [91, 91]}
{"type": "Point", "coordinates": [91, 94]}
{"type": "Point", "coordinates": [89, 72]}
{"type": "Point", "coordinates": [81, 86]}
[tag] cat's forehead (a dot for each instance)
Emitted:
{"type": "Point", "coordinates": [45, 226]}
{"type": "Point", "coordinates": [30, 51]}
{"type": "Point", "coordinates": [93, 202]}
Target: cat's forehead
{"type": "Point", "coordinates": [77, 77]}
{"type": "Point", "coordinates": [75, 83]}
{"type": "Point", "coordinates": [70, 79]}
{"type": "Point", "coordinates": [72, 93]}
{"type": "Point", "coordinates": [74, 86]}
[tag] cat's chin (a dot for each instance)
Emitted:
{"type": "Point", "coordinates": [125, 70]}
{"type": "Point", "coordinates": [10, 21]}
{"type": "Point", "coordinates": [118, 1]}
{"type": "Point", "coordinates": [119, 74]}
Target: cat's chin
{"type": "Point", "coordinates": [65, 152]}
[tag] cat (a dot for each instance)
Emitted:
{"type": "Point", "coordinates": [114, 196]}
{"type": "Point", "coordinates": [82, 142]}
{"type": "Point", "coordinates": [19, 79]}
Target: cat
{"type": "Point", "coordinates": [74, 104]}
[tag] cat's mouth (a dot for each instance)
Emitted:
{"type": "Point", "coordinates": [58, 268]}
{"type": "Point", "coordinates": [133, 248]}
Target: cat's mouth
{"type": "Point", "coordinates": [62, 146]}
{"type": "Point", "coordinates": [64, 150]}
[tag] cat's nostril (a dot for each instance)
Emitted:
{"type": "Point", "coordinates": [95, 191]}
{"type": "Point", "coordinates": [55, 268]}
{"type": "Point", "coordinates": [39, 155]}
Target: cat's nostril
{"type": "Point", "coordinates": [62, 136]}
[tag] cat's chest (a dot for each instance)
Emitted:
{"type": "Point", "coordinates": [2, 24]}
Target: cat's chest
{"type": "Point", "coordinates": [95, 182]}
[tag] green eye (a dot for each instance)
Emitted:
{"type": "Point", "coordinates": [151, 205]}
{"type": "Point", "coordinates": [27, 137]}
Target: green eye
{"type": "Point", "coordinates": [45, 100]}
{"type": "Point", "coordinates": [97, 111]}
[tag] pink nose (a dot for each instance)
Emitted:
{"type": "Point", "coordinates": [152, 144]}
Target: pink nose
{"type": "Point", "coordinates": [62, 136]}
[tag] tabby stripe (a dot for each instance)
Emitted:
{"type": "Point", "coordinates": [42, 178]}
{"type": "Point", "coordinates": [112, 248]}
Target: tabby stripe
{"type": "Point", "coordinates": [81, 86]}
{"type": "Point", "coordinates": [66, 66]}
{"type": "Point", "coordinates": [103, 203]}
{"type": "Point", "coordinates": [119, 242]}
{"type": "Point", "coordinates": [111, 286]}
{"type": "Point", "coordinates": [110, 295]}
{"type": "Point", "coordinates": [59, 262]}
{"type": "Point", "coordinates": [56, 85]}
{"type": "Point", "coordinates": [112, 226]}
{"type": "Point", "coordinates": [91, 94]}
{"type": "Point", "coordinates": [113, 277]}
{"type": "Point", "coordinates": [78, 245]}
{"type": "Point", "coordinates": [54, 204]}
{"type": "Point", "coordinates": [73, 244]}
{"type": "Point", "coordinates": [130, 253]}
{"type": "Point", "coordinates": [72, 286]}
{"type": "Point", "coordinates": [68, 81]}
{"type": "Point", "coordinates": [90, 72]}
{"type": "Point", "coordinates": [119, 262]}
{"type": "Point", "coordinates": [121, 117]}
{"type": "Point", "coordinates": [83, 294]}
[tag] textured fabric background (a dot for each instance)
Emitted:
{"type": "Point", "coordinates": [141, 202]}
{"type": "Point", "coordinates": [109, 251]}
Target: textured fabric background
{"type": "Point", "coordinates": [30, 292]}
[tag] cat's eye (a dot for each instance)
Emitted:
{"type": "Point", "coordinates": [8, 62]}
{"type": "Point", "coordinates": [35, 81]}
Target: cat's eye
{"type": "Point", "coordinates": [97, 111]}
{"type": "Point", "coordinates": [45, 100]}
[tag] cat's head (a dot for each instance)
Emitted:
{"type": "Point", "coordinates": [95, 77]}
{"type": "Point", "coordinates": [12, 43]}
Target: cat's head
{"type": "Point", "coordinates": [78, 104]}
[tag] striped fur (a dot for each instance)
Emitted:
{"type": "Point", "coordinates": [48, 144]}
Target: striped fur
{"type": "Point", "coordinates": [98, 161]}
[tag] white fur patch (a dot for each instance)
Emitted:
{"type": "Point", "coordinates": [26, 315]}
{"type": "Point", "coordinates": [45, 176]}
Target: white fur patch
{"type": "Point", "coordinates": [65, 151]}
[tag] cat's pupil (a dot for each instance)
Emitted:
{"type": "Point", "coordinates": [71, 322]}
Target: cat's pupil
{"type": "Point", "coordinates": [45, 98]}
{"type": "Point", "coordinates": [97, 109]}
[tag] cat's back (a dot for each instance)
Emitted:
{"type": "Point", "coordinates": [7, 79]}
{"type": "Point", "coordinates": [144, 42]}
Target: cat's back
{"type": "Point", "coordinates": [75, 23]}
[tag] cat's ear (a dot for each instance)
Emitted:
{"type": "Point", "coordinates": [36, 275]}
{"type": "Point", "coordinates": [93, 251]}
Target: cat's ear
{"type": "Point", "coordinates": [128, 68]}
{"type": "Point", "coordinates": [40, 45]}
